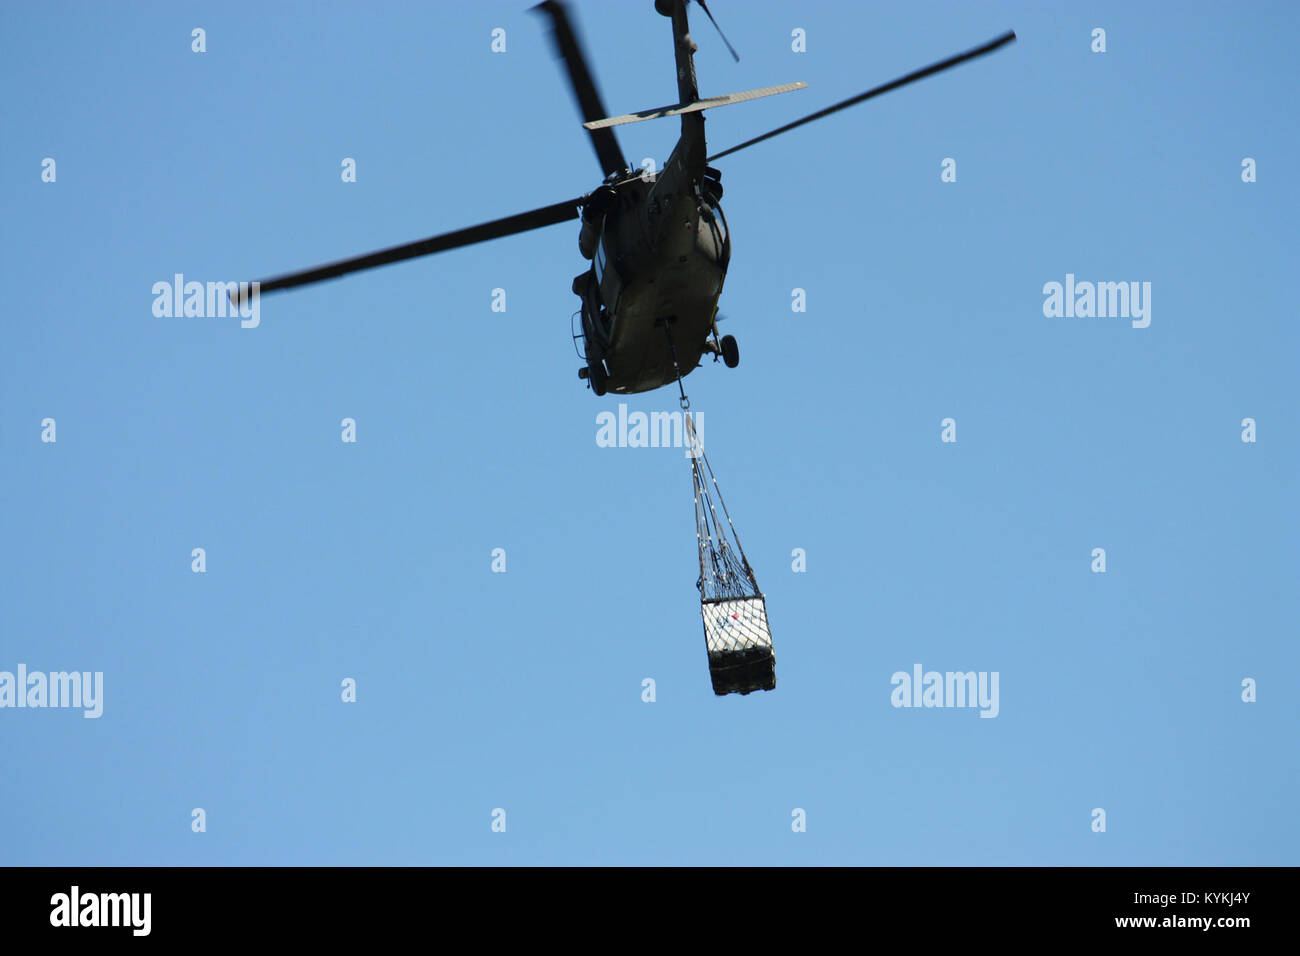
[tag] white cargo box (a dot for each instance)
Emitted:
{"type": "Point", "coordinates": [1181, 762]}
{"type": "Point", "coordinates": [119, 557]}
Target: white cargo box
{"type": "Point", "coordinates": [739, 643]}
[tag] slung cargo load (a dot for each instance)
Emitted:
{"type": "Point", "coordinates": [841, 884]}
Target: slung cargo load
{"type": "Point", "coordinates": [740, 645]}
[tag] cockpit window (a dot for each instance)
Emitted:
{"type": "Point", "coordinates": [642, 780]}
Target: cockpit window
{"type": "Point", "coordinates": [719, 224]}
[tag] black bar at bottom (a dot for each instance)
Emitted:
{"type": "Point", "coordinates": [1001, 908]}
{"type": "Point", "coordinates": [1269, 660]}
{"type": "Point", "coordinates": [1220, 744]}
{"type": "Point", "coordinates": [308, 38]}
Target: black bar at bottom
{"type": "Point", "coordinates": [924, 904]}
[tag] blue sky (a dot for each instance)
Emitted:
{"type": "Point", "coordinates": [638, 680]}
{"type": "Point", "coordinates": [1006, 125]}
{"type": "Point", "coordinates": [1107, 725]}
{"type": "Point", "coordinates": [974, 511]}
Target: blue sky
{"type": "Point", "coordinates": [522, 690]}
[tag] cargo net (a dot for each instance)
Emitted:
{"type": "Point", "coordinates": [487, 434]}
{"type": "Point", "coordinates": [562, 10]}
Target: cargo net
{"type": "Point", "coordinates": [736, 634]}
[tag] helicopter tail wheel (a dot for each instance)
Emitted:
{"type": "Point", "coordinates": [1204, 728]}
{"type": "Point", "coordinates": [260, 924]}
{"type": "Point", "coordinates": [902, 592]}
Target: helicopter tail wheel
{"type": "Point", "coordinates": [730, 351]}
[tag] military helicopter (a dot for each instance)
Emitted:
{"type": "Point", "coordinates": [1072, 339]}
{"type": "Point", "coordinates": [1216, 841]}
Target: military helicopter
{"type": "Point", "coordinates": [658, 245]}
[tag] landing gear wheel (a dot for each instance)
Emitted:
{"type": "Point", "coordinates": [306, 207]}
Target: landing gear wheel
{"type": "Point", "coordinates": [730, 351]}
{"type": "Point", "coordinates": [597, 377]}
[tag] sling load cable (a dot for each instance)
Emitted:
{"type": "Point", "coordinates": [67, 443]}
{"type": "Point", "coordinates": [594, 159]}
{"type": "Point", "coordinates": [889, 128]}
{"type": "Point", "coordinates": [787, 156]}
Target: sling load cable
{"type": "Point", "coordinates": [734, 611]}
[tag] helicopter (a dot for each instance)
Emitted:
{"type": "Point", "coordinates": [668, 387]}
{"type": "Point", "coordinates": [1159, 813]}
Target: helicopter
{"type": "Point", "coordinates": [658, 244]}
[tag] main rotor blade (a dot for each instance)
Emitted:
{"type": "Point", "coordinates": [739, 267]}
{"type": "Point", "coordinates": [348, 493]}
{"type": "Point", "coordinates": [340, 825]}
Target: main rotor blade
{"type": "Point", "coordinates": [705, 7]}
{"type": "Point", "coordinates": [895, 84]}
{"type": "Point", "coordinates": [584, 87]}
{"type": "Point", "coordinates": [534, 219]}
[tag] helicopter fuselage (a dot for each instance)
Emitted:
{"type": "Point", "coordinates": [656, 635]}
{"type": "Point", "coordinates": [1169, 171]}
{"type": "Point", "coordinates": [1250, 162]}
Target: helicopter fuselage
{"type": "Point", "coordinates": [659, 247]}
{"type": "Point", "coordinates": [658, 266]}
